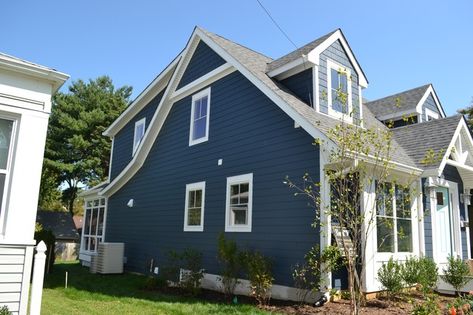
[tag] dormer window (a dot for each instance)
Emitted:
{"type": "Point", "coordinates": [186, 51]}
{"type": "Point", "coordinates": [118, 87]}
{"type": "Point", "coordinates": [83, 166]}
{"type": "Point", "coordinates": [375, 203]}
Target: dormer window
{"type": "Point", "coordinates": [430, 115]}
{"type": "Point", "coordinates": [339, 90]}
{"type": "Point", "coordinates": [139, 133]}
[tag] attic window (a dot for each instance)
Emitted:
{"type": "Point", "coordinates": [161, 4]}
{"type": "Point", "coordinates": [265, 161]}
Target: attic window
{"type": "Point", "coordinates": [430, 115]}
{"type": "Point", "coordinates": [199, 127]}
{"type": "Point", "coordinates": [339, 90]}
{"type": "Point", "coordinates": [139, 133]}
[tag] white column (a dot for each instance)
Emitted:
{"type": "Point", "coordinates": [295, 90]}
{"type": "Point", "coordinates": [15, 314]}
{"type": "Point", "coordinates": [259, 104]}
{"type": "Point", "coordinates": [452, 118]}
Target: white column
{"type": "Point", "coordinates": [38, 277]}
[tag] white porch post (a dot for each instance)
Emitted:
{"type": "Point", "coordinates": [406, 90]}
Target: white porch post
{"type": "Point", "coordinates": [38, 277]}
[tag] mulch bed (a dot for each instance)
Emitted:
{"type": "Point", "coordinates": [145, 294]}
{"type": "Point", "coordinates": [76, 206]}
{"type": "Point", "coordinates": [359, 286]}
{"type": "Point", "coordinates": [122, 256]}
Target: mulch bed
{"type": "Point", "coordinates": [375, 306]}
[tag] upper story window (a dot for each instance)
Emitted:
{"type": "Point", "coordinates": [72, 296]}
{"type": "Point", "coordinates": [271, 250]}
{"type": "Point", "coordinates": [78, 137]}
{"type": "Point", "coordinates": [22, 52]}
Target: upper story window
{"type": "Point", "coordinates": [199, 126]}
{"type": "Point", "coordinates": [238, 214]}
{"type": "Point", "coordinates": [339, 90]}
{"type": "Point", "coordinates": [7, 127]}
{"type": "Point", "coordinates": [194, 209]}
{"type": "Point", "coordinates": [140, 127]}
{"type": "Point", "coordinates": [393, 218]}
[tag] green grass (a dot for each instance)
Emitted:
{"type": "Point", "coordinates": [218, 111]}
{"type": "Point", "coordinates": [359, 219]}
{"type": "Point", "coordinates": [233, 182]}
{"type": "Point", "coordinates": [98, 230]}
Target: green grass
{"type": "Point", "coordinates": [120, 294]}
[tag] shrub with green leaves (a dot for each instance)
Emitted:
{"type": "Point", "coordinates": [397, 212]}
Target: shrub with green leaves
{"type": "Point", "coordinates": [307, 276]}
{"type": "Point", "coordinates": [229, 258]}
{"type": "Point", "coordinates": [389, 275]}
{"type": "Point", "coordinates": [155, 283]}
{"type": "Point", "coordinates": [258, 269]}
{"type": "Point", "coordinates": [332, 258]}
{"type": "Point", "coordinates": [410, 271]}
{"type": "Point", "coordinates": [456, 273]}
{"type": "Point", "coordinates": [429, 307]}
{"type": "Point", "coordinates": [428, 275]}
{"type": "Point", "coordinates": [5, 311]}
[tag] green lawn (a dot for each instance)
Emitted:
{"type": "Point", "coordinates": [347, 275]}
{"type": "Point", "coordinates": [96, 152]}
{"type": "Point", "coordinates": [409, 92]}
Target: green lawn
{"type": "Point", "coordinates": [119, 294]}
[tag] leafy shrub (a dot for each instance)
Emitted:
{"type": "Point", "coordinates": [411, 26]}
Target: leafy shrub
{"type": "Point", "coordinates": [307, 276]}
{"type": "Point", "coordinates": [461, 305]}
{"type": "Point", "coordinates": [456, 273]}
{"type": "Point", "coordinates": [429, 307]}
{"type": "Point", "coordinates": [410, 271]}
{"type": "Point", "coordinates": [155, 283]}
{"type": "Point", "coordinates": [229, 257]}
{"type": "Point", "coordinates": [428, 275]}
{"type": "Point", "coordinates": [185, 269]}
{"type": "Point", "coordinates": [332, 258]}
{"type": "Point", "coordinates": [193, 273]}
{"type": "Point", "coordinates": [258, 269]}
{"type": "Point", "coordinates": [4, 310]}
{"type": "Point", "coordinates": [389, 275]}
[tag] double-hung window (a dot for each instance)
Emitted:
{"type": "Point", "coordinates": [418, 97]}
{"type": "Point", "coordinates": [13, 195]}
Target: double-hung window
{"type": "Point", "coordinates": [393, 218]}
{"type": "Point", "coordinates": [7, 127]}
{"type": "Point", "coordinates": [238, 214]}
{"type": "Point", "coordinates": [93, 226]}
{"type": "Point", "coordinates": [140, 127]}
{"type": "Point", "coordinates": [199, 124]}
{"type": "Point", "coordinates": [338, 90]}
{"type": "Point", "coordinates": [194, 207]}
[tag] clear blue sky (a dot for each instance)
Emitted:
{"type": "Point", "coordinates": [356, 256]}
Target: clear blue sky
{"type": "Point", "coordinates": [399, 44]}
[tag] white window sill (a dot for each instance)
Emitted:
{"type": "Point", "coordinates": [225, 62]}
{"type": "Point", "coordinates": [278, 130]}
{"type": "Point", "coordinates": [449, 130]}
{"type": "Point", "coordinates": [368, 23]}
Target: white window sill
{"type": "Point", "coordinates": [193, 229]}
{"type": "Point", "coordinates": [235, 228]}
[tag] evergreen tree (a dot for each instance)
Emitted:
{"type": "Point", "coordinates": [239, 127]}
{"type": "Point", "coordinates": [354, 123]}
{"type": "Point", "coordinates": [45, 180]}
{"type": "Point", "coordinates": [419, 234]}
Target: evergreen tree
{"type": "Point", "coordinates": [77, 154]}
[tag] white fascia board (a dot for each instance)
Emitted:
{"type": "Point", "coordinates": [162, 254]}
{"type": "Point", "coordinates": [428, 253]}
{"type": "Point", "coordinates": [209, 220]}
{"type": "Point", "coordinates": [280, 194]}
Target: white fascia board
{"type": "Point", "coordinates": [55, 78]}
{"type": "Point", "coordinates": [286, 67]}
{"type": "Point", "coordinates": [143, 99]}
{"type": "Point", "coordinates": [430, 90]}
{"type": "Point", "coordinates": [314, 55]}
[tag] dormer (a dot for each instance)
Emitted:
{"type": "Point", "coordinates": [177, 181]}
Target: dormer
{"type": "Point", "coordinates": [325, 75]}
{"type": "Point", "coordinates": [409, 107]}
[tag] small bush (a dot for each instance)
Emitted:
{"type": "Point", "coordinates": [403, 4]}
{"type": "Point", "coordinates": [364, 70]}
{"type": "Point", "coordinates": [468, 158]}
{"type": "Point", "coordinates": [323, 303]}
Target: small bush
{"type": "Point", "coordinates": [410, 271]}
{"type": "Point", "coordinates": [47, 236]}
{"type": "Point", "coordinates": [229, 257]}
{"type": "Point", "coordinates": [155, 283]}
{"type": "Point", "coordinates": [332, 258]}
{"type": "Point", "coordinates": [193, 273]}
{"type": "Point", "coordinates": [389, 275]}
{"type": "Point", "coordinates": [258, 269]}
{"type": "Point", "coordinates": [4, 310]}
{"type": "Point", "coordinates": [429, 307]}
{"type": "Point", "coordinates": [456, 273]}
{"type": "Point", "coordinates": [428, 275]}
{"type": "Point", "coordinates": [307, 276]}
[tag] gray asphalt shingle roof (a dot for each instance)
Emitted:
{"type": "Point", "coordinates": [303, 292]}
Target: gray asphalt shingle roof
{"type": "Point", "coordinates": [60, 223]}
{"type": "Point", "coordinates": [256, 64]}
{"type": "Point", "coordinates": [399, 102]}
{"type": "Point", "coordinates": [418, 139]}
{"type": "Point", "coordinates": [304, 50]}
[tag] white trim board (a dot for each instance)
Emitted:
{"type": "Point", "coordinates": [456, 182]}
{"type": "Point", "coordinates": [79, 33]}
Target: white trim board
{"type": "Point", "coordinates": [430, 90]}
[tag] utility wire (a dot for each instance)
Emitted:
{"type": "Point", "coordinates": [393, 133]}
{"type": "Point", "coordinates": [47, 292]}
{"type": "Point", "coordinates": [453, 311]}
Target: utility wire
{"type": "Point", "coordinates": [276, 23]}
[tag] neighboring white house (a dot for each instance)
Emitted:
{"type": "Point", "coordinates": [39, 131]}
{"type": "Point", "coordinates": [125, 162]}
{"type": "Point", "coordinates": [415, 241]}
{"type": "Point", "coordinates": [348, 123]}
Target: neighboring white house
{"type": "Point", "coordinates": [25, 104]}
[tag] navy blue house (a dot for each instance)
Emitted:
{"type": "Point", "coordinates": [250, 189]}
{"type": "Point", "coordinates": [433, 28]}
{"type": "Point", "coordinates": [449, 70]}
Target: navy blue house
{"type": "Point", "coordinates": [205, 149]}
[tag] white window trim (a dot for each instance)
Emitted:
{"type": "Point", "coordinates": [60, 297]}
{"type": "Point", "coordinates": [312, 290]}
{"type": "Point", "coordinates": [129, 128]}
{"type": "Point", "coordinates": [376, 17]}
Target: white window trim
{"type": "Point", "coordinates": [240, 179]}
{"type": "Point", "coordinates": [8, 170]}
{"type": "Point", "coordinates": [82, 243]}
{"type": "Point", "coordinates": [335, 66]}
{"type": "Point", "coordinates": [140, 122]}
{"type": "Point", "coordinates": [195, 97]}
{"type": "Point", "coordinates": [189, 188]}
{"type": "Point", "coordinates": [430, 113]}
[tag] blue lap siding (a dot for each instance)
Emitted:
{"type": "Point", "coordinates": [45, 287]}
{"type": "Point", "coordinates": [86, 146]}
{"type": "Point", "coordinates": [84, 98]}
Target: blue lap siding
{"type": "Point", "coordinates": [123, 140]}
{"type": "Point", "coordinates": [301, 85]}
{"type": "Point", "coordinates": [202, 62]}
{"type": "Point", "coordinates": [251, 135]}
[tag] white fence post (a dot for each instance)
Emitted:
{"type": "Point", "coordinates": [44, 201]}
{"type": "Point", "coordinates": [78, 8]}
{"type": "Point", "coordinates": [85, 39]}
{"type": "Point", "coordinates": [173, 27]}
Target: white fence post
{"type": "Point", "coordinates": [38, 277]}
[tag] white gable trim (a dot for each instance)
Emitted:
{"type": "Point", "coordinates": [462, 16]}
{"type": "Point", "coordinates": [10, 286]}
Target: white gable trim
{"type": "Point", "coordinates": [461, 126]}
{"type": "Point", "coordinates": [430, 90]}
{"type": "Point", "coordinates": [314, 55]}
{"type": "Point", "coordinates": [165, 107]}
{"type": "Point", "coordinates": [153, 89]}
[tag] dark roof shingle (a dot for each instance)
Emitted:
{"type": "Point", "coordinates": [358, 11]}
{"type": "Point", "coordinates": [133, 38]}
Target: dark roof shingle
{"type": "Point", "coordinates": [60, 223]}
